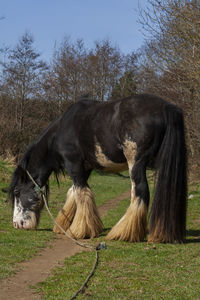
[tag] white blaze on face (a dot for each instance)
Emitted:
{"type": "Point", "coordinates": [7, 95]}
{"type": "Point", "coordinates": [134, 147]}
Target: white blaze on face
{"type": "Point", "coordinates": [23, 219]}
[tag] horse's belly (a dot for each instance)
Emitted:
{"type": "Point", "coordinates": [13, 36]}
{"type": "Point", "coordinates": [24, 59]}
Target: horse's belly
{"type": "Point", "coordinates": [115, 167]}
{"type": "Point", "coordinates": [108, 165]}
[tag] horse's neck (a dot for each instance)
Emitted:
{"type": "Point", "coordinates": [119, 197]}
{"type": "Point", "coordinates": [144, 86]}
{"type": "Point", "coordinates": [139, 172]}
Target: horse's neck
{"type": "Point", "coordinates": [41, 156]}
{"type": "Point", "coordinates": [39, 164]}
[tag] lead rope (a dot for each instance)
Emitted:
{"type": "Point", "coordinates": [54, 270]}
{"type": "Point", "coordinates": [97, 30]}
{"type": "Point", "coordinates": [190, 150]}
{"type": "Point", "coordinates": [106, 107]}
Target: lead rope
{"type": "Point", "coordinates": [99, 247]}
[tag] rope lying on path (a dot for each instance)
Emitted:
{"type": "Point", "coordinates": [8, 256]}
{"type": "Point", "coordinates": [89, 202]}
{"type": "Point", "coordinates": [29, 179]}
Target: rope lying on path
{"type": "Point", "coordinates": [84, 245]}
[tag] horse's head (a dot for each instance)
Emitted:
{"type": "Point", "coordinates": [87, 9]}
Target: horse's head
{"type": "Point", "coordinates": [27, 201]}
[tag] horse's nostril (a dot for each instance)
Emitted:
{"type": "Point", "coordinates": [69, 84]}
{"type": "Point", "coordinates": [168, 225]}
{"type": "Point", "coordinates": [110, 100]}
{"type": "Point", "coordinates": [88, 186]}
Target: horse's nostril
{"type": "Point", "coordinates": [15, 224]}
{"type": "Point", "coordinates": [22, 222]}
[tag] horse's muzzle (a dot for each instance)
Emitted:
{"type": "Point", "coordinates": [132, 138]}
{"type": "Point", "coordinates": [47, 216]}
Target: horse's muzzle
{"type": "Point", "coordinates": [27, 221]}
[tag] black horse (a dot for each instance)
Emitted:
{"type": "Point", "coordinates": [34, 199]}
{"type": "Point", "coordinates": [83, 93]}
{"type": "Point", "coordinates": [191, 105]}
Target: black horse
{"type": "Point", "coordinates": [134, 133]}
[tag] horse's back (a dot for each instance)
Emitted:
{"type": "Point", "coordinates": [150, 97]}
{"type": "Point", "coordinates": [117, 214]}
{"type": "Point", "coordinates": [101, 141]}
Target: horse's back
{"type": "Point", "coordinates": [90, 128]}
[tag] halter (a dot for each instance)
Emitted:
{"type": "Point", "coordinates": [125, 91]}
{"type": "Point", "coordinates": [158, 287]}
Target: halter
{"type": "Point", "coordinates": [39, 190]}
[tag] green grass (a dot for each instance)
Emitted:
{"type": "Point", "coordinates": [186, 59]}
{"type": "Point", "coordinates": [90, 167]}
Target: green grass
{"type": "Point", "coordinates": [19, 245]}
{"type": "Point", "coordinates": [134, 271]}
{"type": "Point", "coordinates": [125, 270]}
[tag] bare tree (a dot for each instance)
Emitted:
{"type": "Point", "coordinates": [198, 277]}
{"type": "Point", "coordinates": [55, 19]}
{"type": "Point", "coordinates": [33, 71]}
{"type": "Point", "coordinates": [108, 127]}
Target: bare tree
{"type": "Point", "coordinates": [76, 70]}
{"type": "Point", "coordinates": [172, 55]}
{"type": "Point", "coordinates": [21, 75]}
{"type": "Point", "coordinates": [175, 39]}
{"type": "Point", "coordinates": [105, 66]}
{"type": "Point", "coordinates": [65, 79]}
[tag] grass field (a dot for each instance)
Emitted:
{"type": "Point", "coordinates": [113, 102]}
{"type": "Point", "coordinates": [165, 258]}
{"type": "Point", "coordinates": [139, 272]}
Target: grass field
{"type": "Point", "coordinates": [125, 270]}
{"type": "Point", "coordinates": [134, 271]}
{"type": "Point", "coordinates": [20, 245]}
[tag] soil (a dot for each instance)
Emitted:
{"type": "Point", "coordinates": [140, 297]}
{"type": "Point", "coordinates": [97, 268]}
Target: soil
{"type": "Point", "coordinates": [39, 267]}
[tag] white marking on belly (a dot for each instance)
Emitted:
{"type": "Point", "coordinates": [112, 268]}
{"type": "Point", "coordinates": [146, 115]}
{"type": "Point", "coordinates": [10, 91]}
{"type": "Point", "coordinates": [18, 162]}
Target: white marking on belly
{"type": "Point", "coordinates": [106, 163]}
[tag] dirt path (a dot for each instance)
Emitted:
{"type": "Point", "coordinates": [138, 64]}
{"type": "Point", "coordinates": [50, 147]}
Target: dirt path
{"type": "Point", "coordinates": [39, 267]}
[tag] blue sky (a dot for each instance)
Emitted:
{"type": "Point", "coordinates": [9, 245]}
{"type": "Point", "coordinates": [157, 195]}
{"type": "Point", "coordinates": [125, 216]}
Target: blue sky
{"type": "Point", "coordinates": [51, 20]}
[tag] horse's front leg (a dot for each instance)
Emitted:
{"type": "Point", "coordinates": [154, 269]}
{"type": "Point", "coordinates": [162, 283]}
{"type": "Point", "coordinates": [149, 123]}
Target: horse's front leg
{"type": "Point", "coordinates": [79, 214]}
{"type": "Point", "coordinates": [67, 213]}
{"type": "Point", "coordinates": [87, 222]}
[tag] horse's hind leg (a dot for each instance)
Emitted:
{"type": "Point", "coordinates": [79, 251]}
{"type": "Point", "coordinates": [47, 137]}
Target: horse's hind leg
{"type": "Point", "coordinates": [67, 213]}
{"type": "Point", "coordinates": [133, 225]}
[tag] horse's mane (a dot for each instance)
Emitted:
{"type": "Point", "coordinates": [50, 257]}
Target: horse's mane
{"type": "Point", "coordinates": [20, 175]}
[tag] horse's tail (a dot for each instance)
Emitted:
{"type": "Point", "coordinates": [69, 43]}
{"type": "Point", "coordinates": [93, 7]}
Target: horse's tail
{"type": "Point", "coordinates": [168, 212]}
